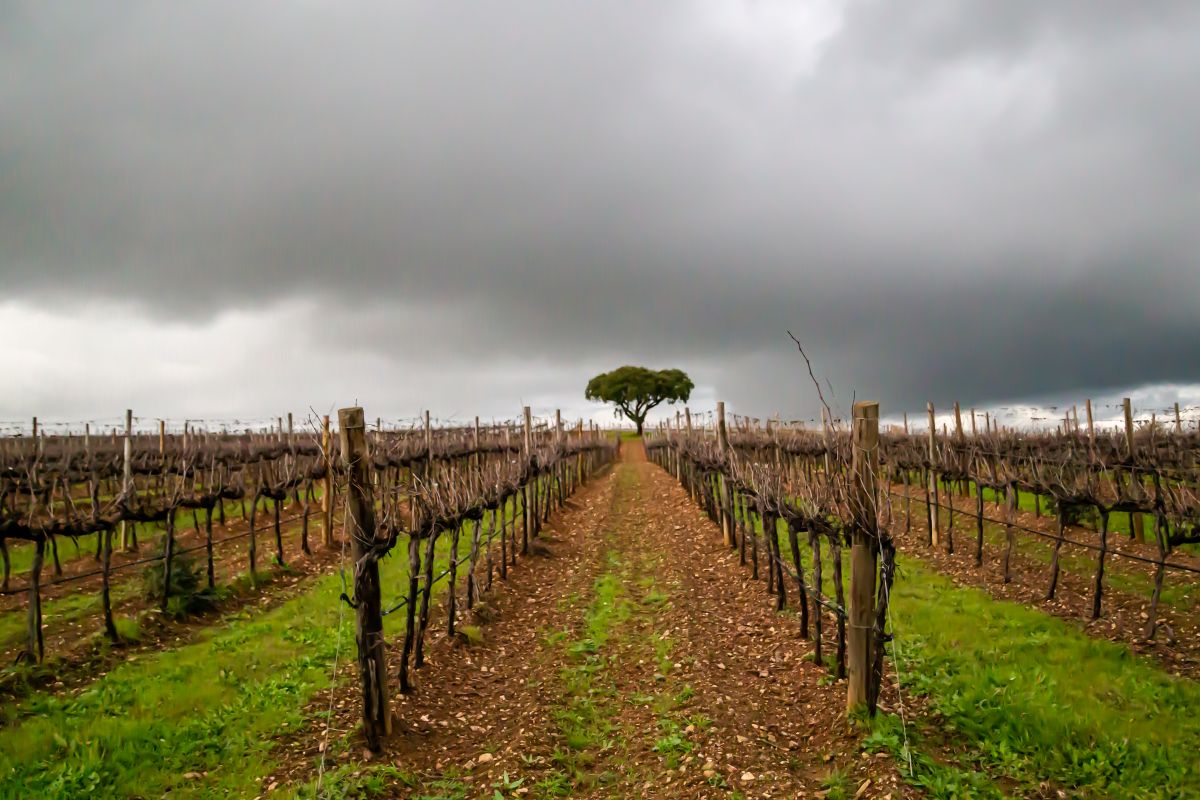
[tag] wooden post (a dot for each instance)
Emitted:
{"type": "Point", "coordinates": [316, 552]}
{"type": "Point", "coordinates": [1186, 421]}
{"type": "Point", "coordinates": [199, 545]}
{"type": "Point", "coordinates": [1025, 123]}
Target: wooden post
{"type": "Point", "coordinates": [558, 467]}
{"type": "Point", "coordinates": [1178, 421]}
{"type": "Point", "coordinates": [35, 642]}
{"type": "Point", "coordinates": [935, 523]}
{"type": "Point", "coordinates": [477, 459]}
{"type": "Point", "coordinates": [162, 436]}
{"type": "Point", "coordinates": [168, 556]}
{"type": "Point", "coordinates": [1137, 525]}
{"type": "Point", "coordinates": [958, 428]}
{"type": "Point", "coordinates": [1091, 423]}
{"type": "Point", "coordinates": [530, 511]}
{"type": "Point", "coordinates": [1128, 410]}
{"type": "Point", "coordinates": [327, 484]}
{"type": "Point", "coordinates": [722, 483]}
{"type": "Point", "coordinates": [360, 520]}
{"type": "Point", "coordinates": [691, 484]}
{"type": "Point", "coordinates": [127, 473]}
{"type": "Point", "coordinates": [864, 552]}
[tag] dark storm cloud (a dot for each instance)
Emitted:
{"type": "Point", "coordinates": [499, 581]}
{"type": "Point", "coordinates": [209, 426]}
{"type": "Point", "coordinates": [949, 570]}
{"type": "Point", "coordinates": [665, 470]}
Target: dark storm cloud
{"type": "Point", "coordinates": [944, 200]}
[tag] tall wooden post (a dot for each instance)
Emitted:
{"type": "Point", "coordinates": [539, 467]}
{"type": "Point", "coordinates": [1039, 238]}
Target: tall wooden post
{"type": "Point", "coordinates": [360, 522]}
{"type": "Point", "coordinates": [1128, 411]}
{"type": "Point", "coordinates": [1091, 423]}
{"type": "Point", "coordinates": [723, 483]}
{"type": "Point", "coordinates": [1136, 522]}
{"type": "Point", "coordinates": [935, 522]}
{"type": "Point", "coordinates": [162, 436]}
{"type": "Point", "coordinates": [560, 476]}
{"type": "Point", "coordinates": [127, 472]}
{"type": "Point", "coordinates": [327, 485]}
{"type": "Point", "coordinates": [864, 552]}
{"type": "Point", "coordinates": [1178, 421]}
{"type": "Point", "coordinates": [528, 505]}
{"type": "Point", "coordinates": [476, 457]}
{"type": "Point", "coordinates": [687, 415]}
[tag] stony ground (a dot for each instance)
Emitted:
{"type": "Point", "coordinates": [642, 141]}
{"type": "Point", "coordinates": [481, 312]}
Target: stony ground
{"type": "Point", "coordinates": [633, 658]}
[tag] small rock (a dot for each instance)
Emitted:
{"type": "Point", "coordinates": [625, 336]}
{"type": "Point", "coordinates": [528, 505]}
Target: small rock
{"type": "Point", "coordinates": [485, 758]}
{"type": "Point", "coordinates": [747, 776]}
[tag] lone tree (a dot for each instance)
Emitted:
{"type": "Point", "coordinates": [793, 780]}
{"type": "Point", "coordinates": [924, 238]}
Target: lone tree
{"type": "Point", "coordinates": [636, 390]}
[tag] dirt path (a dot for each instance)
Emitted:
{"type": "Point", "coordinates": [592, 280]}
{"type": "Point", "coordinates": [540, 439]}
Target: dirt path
{"type": "Point", "coordinates": [635, 658]}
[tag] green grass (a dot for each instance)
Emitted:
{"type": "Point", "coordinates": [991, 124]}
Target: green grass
{"type": "Point", "coordinates": [209, 707]}
{"type": "Point", "coordinates": [1024, 697]}
{"type": "Point", "coordinates": [1018, 697]}
{"type": "Point", "coordinates": [1121, 574]}
{"type": "Point", "coordinates": [1119, 522]}
{"type": "Point", "coordinates": [357, 782]}
{"type": "Point", "coordinates": [20, 553]}
{"type": "Point", "coordinates": [69, 607]}
{"type": "Point", "coordinates": [584, 720]}
{"type": "Point", "coordinates": [393, 569]}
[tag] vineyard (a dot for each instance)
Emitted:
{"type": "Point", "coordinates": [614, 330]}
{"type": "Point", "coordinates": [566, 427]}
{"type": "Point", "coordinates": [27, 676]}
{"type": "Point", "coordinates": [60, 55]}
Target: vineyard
{"type": "Point", "coordinates": [718, 608]}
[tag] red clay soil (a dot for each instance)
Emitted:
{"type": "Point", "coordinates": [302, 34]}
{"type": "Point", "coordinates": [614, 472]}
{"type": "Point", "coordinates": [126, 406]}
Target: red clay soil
{"type": "Point", "coordinates": [1123, 617]}
{"type": "Point", "coordinates": [698, 689]}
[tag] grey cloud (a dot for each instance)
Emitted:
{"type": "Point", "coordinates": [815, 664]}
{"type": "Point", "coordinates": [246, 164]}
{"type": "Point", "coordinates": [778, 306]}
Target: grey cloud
{"type": "Point", "coordinates": [943, 200]}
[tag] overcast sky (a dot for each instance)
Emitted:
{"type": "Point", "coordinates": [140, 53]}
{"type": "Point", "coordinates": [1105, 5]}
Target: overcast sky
{"type": "Point", "coordinates": [235, 209]}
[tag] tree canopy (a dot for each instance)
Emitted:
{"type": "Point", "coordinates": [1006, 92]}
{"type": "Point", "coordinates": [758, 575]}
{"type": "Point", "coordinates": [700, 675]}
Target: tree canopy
{"type": "Point", "coordinates": [636, 390]}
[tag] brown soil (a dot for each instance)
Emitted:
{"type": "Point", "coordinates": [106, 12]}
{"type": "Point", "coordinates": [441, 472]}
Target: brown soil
{"type": "Point", "coordinates": [734, 685]}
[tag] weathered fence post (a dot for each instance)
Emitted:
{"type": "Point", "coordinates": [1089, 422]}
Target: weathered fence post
{"type": "Point", "coordinates": [934, 515]}
{"type": "Point", "coordinates": [360, 523]}
{"type": "Point", "coordinates": [691, 483]}
{"type": "Point", "coordinates": [1091, 423]}
{"type": "Point", "coordinates": [168, 556]}
{"type": "Point", "coordinates": [722, 481]}
{"type": "Point", "coordinates": [127, 474]}
{"type": "Point", "coordinates": [327, 486]}
{"type": "Point", "coordinates": [864, 551]}
{"type": "Point", "coordinates": [1137, 526]}
{"type": "Point", "coordinates": [527, 499]}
